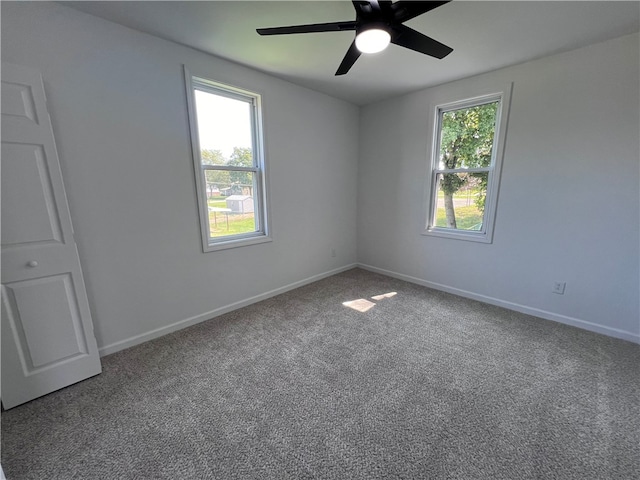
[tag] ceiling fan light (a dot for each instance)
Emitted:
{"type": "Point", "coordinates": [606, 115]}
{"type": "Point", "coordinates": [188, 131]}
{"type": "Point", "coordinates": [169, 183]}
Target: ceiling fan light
{"type": "Point", "coordinates": [373, 40]}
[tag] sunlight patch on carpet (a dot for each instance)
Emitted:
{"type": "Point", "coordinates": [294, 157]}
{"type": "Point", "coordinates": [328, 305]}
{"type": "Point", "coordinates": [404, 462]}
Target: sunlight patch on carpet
{"type": "Point", "coordinates": [361, 304]}
{"type": "Point", "coordinates": [385, 295]}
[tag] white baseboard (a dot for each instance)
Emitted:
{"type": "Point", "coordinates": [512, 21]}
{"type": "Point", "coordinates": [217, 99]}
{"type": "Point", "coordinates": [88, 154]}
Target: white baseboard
{"type": "Point", "coordinates": [187, 322]}
{"type": "Point", "coordinates": [536, 312]}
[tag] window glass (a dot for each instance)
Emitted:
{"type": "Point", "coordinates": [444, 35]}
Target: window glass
{"type": "Point", "coordinates": [464, 209]}
{"type": "Point", "coordinates": [223, 124]}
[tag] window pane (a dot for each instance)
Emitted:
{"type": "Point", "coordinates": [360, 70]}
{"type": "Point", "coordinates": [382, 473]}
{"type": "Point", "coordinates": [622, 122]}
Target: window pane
{"type": "Point", "coordinates": [460, 201]}
{"type": "Point", "coordinates": [224, 129]}
{"type": "Point", "coordinates": [466, 137]}
{"type": "Point", "coordinates": [231, 203]}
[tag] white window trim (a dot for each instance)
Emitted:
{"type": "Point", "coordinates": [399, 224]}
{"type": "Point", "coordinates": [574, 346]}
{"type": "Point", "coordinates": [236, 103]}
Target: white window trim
{"type": "Point", "coordinates": [485, 235]}
{"type": "Point", "coordinates": [259, 170]}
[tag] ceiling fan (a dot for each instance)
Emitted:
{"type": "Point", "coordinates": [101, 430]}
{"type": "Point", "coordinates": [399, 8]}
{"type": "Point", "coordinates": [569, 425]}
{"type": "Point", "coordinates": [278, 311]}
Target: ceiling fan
{"type": "Point", "coordinates": [377, 23]}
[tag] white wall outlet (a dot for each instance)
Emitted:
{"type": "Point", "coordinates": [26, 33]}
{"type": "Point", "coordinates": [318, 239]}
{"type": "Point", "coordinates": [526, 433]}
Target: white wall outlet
{"type": "Point", "coordinates": [558, 287]}
{"type": "Point", "coordinates": [333, 252]}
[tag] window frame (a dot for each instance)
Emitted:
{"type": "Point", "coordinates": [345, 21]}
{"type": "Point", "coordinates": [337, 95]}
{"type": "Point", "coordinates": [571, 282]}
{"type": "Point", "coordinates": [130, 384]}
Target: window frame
{"type": "Point", "coordinates": [494, 170]}
{"type": "Point", "coordinates": [262, 233]}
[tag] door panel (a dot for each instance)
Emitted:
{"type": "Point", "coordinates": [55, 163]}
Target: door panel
{"type": "Point", "coordinates": [47, 331]}
{"type": "Point", "coordinates": [17, 101]}
{"type": "Point", "coordinates": [41, 344]}
{"type": "Point", "coordinates": [33, 193]}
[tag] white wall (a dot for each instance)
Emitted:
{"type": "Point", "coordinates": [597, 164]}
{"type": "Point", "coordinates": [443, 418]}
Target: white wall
{"type": "Point", "coordinates": [117, 102]}
{"type": "Point", "coordinates": [568, 208]}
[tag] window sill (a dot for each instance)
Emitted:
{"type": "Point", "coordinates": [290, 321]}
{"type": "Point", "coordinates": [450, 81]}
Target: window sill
{"type": "Point", "coordinates": [470, 236]}
{"type": "Point", "coordinates": [236, 242]}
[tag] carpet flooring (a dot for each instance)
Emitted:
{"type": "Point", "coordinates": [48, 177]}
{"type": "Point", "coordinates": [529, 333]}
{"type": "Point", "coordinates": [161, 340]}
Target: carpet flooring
{"type": "Point", "coordinates": [405, 383]}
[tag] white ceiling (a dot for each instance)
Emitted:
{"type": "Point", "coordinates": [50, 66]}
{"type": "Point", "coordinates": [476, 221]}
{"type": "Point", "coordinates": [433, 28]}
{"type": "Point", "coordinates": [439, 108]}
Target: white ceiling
{"type": "Point", "coordinates": [484, 35]}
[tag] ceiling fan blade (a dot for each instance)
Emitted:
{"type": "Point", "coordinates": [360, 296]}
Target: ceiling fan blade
{"type": "Point", "coordinates": [349, 59]}
{"type": "Point", "coordinates": [369, 8]}
{"type": "Point", "coordinates": [409, 38]}
{"type": "Point", "coordinates": [313, 28]}
{"type": "Point", "coordinates": [362, 6]}
{"type": "Point", "coordinates": [404, 10]}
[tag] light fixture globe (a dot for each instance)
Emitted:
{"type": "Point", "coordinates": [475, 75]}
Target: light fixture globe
{"type": "Point", "coordinates": [372, 40]}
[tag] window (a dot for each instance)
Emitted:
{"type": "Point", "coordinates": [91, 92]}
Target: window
{"type": "Point", "coordinates": [228, 158]}
{"type": "Point", "coordinates": [467, 150]}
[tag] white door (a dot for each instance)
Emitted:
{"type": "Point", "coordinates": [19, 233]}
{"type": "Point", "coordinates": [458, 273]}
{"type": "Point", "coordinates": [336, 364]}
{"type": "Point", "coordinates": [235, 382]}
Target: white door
{"type": "Point", "coordinates": [47, 333]}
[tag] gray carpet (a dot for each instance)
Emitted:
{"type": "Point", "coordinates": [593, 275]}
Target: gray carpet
{"type": "Point", "coordinates": [423, 385]}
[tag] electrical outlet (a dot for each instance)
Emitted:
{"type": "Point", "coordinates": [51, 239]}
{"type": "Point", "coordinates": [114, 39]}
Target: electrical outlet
{"type": "Point", "coordinates": [558, 287]}
{"type": "Point", "coordinates": [333, 252]}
